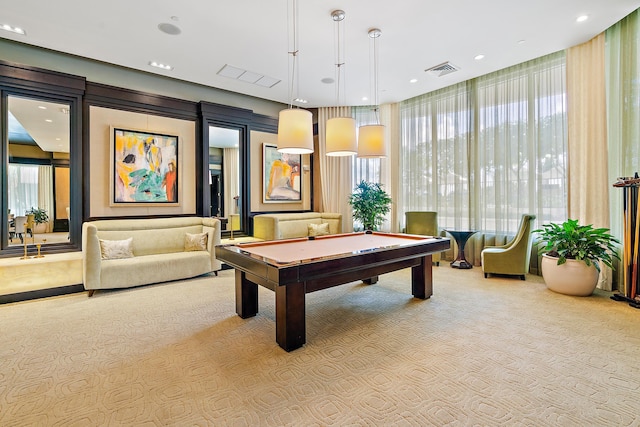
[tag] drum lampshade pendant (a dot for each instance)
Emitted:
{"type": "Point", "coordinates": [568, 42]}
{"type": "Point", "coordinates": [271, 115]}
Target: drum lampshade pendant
{"type": "Point", "coordinates": [295, 131]}
{"type": "Point", "coordinates": [341, 137]}
{"type": "Point", "coordinates": [371, 142]}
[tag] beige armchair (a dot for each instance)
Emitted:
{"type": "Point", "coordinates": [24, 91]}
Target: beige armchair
{"type": "Point", "coordinates": [514, 257]}
{"type": "Point", "coordinates": [20, 227]}
{"type": "Point", "coordinates": [423, 223]}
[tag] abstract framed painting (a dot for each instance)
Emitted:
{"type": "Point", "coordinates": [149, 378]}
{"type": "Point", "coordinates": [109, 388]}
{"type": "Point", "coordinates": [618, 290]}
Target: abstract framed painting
{"type": "Point", "coordinates": [281, 176]}
{"type": "Point", "coordinates": [144, 168]}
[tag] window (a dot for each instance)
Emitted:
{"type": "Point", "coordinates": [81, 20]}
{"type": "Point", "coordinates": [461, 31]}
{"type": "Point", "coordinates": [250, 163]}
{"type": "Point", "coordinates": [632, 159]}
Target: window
{"type": "Point", "coordinates": [483, 152]}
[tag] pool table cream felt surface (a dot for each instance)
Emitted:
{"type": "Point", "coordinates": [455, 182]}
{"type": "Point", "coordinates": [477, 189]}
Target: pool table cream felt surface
{"type": "Point", "coordinates": [294, 250]}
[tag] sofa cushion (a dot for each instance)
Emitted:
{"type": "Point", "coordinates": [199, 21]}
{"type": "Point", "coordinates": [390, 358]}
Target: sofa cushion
{"type": "Point", "coordinates": [116, 249]}
{"type": "Point", "coordinates": [296, 228]}
{"type": "Point", "coordinates": [195, 242]}
{"type": "Point", "coordinates": [318, 229]}
{"type": "Point", "coordinates": [143, 270]}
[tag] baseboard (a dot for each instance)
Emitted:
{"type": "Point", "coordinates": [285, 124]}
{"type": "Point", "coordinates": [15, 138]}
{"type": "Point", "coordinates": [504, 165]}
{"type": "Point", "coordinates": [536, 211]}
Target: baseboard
{"type": "Point", "coordinates": [41, 293]}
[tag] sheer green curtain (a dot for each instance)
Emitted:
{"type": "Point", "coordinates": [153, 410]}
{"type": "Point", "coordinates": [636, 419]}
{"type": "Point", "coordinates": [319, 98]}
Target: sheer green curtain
{"type": "Point", "coordinates": [622, 74]}
{"type": "Point", "coordinates": [622, 67]}
{"type": "Point", "coordinates": [436, 132]}
{"type": "Point", "coordinates": [521, 145]}
{"type": "Point", "coordinates": [483, 152]}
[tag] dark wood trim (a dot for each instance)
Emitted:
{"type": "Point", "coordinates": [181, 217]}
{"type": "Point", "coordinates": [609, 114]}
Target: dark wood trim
{"type": "Point", "coordinates": [262, 123]}
{"type": "Point", "coordinates": [102, 95]}
{"type": "Point", "coordinates": [30, 78]}
{"type": "Point", "coordinates": [36, 83]}
{"type": "Point", "coordinates": [41, 293]}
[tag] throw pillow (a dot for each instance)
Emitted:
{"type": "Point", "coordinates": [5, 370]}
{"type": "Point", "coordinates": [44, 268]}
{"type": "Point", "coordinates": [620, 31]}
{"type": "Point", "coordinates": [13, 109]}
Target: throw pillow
{"type": "Point", "coordinates": [116, 249]}
{"type": "Point", "coordinates": [195, 242]}
{"type": "Point", "coordinates": [318, 229]}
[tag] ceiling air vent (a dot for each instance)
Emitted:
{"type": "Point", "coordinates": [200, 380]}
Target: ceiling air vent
{"type": "Point", "coordinates": [442, 69]}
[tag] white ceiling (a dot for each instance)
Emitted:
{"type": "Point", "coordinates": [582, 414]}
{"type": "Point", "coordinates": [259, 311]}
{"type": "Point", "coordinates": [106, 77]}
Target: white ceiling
{"type": "Point", "coordinates": [252, 35]}
{"type": "Point", "coordinates": [47, 123]}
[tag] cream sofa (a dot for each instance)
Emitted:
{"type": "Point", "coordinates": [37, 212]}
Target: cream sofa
{"type": "Point", "coordinates": [292, 225]}
{"type": "Point", "coordinates": [158, 249]}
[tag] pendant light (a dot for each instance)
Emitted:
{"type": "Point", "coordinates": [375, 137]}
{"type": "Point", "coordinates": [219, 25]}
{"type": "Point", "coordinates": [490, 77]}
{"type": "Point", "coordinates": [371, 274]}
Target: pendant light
{"type": "Point", "coordinates": [295, 125]}
{"type": "Point", "coordinates": [371, 143]}
{"type": "Point", "coordinates": [340, 132]}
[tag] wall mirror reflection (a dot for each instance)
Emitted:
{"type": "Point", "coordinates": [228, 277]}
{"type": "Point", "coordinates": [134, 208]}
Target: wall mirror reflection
{"type": "Point", "coordinates": [224, 173]}
{"type": "Point", "coordinates": [38, 179]}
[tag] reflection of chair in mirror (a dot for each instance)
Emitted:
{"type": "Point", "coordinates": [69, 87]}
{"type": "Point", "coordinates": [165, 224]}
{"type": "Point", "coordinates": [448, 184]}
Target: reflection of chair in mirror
{"type": "Point", "coordinates": [19, 227]}
{"type": "Point", "coordinates": [12, 226]}
{"type": "Point", "coordinates": [513, 258]}
{"type": "Point", "coordinates": [423, 223]}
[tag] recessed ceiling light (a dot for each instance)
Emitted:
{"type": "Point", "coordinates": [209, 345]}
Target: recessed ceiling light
{"type": "Point", "coordinates": [478, 57]}
{"type": "Point", "coordinates": [42, 107]}
{"type": "Point", "coordinates": [12, 29]}
{"type": "Point", "coordinates": [301, 101]}
{"type": "Point", "coordinates": [413, 80]}
{"type": "Point", "coordinates": [522, 41]}
{"type": "Point", "coordinates": [48, 120]}
{"type": "Point", "coordinates": [170, 29]}
{"type": "Point", "coordinates": [582, 18]}
{"type": "Point", "coordinates": [160, 65]}
{"type": "Point", "coordinates": [364, 98]}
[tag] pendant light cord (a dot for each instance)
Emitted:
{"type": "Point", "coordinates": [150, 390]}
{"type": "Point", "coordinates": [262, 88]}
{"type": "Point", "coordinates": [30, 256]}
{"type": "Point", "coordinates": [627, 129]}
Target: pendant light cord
{"type": "Point", "coordinates": [294, 53]}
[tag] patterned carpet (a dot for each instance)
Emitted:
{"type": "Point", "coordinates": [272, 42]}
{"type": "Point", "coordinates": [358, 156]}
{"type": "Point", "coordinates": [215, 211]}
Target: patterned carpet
{"type": "Point", "coordinates": [486, 352]}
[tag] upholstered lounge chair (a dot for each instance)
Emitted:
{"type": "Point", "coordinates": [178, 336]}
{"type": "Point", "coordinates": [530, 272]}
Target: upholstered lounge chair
{"type": "Point", "coordinates": [18, 228]}
{"type": "Point", "coordinates": [513, 258]}
{"type": "Point", "coordinates": [423, 223]}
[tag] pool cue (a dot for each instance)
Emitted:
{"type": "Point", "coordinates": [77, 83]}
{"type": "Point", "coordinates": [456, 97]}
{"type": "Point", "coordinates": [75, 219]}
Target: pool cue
{"type": "Point", "coordinates": [625, 240]}
{"type": "Point", "coordinates": [634, 277]}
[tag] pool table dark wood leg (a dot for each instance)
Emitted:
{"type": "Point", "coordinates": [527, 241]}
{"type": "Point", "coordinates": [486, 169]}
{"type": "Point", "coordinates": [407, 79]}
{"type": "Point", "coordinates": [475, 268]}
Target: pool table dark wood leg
{"type": "Point", "coordinates": [246, 296]}
{"type": "Point", "coordinates": [290, 316]}
{"type": "Point", "coordinates": [422, 279]}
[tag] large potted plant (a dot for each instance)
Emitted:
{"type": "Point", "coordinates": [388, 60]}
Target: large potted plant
{"type": "Point", "coordinates": [572, 254]}
{"type": "Point", "coordinates": [370, 203]}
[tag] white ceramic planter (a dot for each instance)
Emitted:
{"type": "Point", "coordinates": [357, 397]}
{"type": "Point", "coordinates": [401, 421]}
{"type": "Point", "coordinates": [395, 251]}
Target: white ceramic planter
{"type": "Point", "coordinates": [571, 278]}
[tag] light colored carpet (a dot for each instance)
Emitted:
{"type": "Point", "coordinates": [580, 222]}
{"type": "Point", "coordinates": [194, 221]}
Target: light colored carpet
{"type": "Point", "coordinates": [484, 352]}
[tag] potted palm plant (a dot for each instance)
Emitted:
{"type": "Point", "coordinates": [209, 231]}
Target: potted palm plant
{"type": "Point", "coordinates": [572, 254]}
{"type": "Point", "coordinates": [370, 203]}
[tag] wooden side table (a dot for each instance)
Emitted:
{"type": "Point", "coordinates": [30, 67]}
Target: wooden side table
{"type": "Point", "coordinates": [461, 237]}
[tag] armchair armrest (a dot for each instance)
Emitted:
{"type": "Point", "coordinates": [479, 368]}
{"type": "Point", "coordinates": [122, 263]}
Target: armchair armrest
{"type": "Point", "coordinates": [91, 257]}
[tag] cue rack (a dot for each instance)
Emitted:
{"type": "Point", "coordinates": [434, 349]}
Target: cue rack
{"type": "Point", "coordinates": [630, 242]}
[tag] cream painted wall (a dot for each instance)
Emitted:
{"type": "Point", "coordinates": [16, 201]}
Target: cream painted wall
{"type": "Point", "coordinates": [257, 184]}
{"type": "Point", "coordinates": [101, 120]}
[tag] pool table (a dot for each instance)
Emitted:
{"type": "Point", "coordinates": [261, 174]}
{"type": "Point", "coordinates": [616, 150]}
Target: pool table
{"type": "Point", "coordinates": [294, 267]}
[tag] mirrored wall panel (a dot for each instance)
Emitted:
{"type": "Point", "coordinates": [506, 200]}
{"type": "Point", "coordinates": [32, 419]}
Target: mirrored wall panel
{"type": "Point", "coordinates": [38, 179]}
{"type": "Point", "coordinates": [224, 171]}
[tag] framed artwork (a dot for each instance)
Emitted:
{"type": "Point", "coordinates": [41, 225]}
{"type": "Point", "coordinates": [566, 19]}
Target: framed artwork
{"type": "Point", "coordinates": [144, 168]}
{"type": "Point", "coordinates": [281, 176]}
